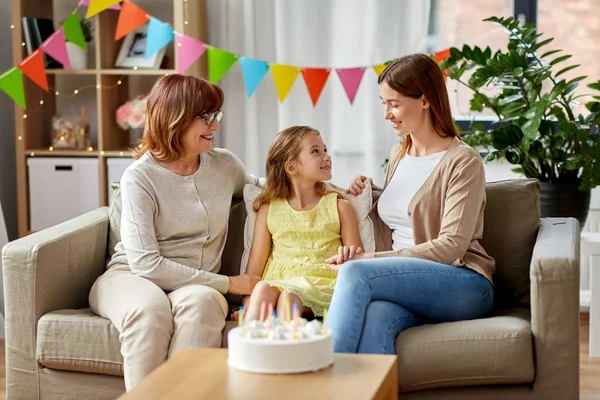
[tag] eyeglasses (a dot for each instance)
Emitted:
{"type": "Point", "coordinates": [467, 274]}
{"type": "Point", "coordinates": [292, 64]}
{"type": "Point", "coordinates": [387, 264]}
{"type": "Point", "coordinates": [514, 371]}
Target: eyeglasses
{"type": "Point", "coordinates": [210, 118]}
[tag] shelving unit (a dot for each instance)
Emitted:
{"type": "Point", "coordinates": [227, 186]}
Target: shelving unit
{"type": "Point", "coordinates": [113, 86]}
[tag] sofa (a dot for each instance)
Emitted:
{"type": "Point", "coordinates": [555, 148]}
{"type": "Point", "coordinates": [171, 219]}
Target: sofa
{"type": "Point", "coordinates": [529, 349]}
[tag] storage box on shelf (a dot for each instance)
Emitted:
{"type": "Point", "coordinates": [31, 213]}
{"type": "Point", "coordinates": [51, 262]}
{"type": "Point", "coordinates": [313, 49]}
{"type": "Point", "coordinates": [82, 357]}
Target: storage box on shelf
{"type": "Point", "coordinates": [102, 88]}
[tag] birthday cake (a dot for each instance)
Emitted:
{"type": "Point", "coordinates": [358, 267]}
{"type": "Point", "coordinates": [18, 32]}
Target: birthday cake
{"type": "Point", "coordinates": [274, 346]}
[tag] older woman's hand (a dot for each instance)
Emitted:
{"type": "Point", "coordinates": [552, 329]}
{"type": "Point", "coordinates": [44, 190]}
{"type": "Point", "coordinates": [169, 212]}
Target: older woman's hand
{"type": "Point", "coordinates": [243, 284]}
{"type": "Point", "coordinates": [357, 184]}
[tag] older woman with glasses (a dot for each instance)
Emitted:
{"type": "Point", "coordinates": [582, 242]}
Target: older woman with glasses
{"type": "Point", "coordinates": [161, 289]}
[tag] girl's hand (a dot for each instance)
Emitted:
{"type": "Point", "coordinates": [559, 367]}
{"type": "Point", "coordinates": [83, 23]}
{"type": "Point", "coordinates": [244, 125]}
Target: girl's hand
{"type": "Point", "coordinates": [346, 253]}
{"type": "Point", "coordinates": [357, 184]}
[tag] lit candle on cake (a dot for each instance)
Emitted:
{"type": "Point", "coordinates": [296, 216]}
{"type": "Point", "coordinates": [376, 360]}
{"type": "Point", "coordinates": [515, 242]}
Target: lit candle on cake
{"type": "Point", "coordinates": [325, 320]}
{"type": "Point", "coordinates": [287, 311]}
{"type": "Point", "coordinates": [241, 320]}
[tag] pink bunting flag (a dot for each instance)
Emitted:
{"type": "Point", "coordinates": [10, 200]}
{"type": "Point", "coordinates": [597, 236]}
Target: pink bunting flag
{"type": "Point", "coordinates": [55, 46]}
{"type": "Point", "coordinates": [351, 78]}
{"type": "Point", "coordinates": [87, 3]}
{"type": "Point", "coordinates": [188, 51]}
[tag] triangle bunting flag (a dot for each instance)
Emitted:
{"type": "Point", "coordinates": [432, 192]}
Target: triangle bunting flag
{"type": "Point", "coordinates": [253, 71]}
{"type": "Point", "coordinates": [130, 17]}
{"type": "Point", "coordinates": [11, 82]}
{"type": "Point", "coordinates": [97, 6]}
{"type": "Point", "coordinates": [188, 51]}
{"type": "Point", "coordinates": [74, 31]}
{"type": "Point", "coordinates": [284, 77]}
{"type": "Point", "coordinates": [159, 35]}
{"type": "Point", "coordinates": [315, 79]}
{"type": "Point", "coordinates": [219, 62]}
{"type": "Point", "coordinates": [351, 78]}
{"type": "Point", "coordinates": [34, 68]}
{"type": "Point", "coordinates": [56, 48]}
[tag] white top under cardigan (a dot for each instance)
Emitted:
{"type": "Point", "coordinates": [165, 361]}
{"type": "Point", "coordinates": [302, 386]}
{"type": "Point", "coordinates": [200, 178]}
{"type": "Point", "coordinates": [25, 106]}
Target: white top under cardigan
{"type": "Point", "coordinates": [173, 227]}
{"type": "Point", "coordinates": [410, 175]}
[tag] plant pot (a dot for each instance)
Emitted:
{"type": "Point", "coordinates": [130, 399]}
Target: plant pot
{"type": "Point", "coordinates": [78, 57]}
{"type": "Point", "coordinates": [135, 135]}
{"type": "Point", "coordinates": [565, 200]}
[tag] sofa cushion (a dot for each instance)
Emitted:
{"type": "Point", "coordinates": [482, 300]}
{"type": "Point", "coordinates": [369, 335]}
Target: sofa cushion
{"type": "Point", "coordinates": [361, 204]}
{"type": "Point", "coordinates": [496, 350]}
{"type": "Point", "coordinates": [512, 220]}
{"type": "Point", "coordinates": [79, 340]}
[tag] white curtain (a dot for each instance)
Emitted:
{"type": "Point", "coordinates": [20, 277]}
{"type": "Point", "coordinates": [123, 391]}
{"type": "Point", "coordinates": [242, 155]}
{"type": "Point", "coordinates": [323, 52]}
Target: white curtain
{"type": "Point", "coordinates": [320, 34]}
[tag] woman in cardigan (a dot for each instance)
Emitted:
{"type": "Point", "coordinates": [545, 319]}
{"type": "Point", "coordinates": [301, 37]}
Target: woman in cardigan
{"type": "Point", "coordinates": [429, 265]}
{"type": "Point", "coordinates": [162, 290]}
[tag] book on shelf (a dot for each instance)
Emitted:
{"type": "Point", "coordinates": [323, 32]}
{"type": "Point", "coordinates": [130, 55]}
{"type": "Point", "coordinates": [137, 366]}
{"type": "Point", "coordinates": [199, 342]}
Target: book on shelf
{"type": "Point", "coordinates": [36, 31]}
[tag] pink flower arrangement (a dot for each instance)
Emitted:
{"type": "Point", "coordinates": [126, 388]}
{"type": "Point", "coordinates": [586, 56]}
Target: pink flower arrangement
{"type": "Point", "coordinates": [132, 114]}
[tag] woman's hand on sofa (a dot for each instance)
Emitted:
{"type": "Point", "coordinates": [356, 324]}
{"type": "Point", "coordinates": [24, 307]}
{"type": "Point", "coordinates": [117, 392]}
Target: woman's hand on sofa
{"type": "Point", "coordinates": [242, 284]}
{"type": "Point", "coordinates": [357, 184]}
{"type": "Point", "coordinates": [346, 253]}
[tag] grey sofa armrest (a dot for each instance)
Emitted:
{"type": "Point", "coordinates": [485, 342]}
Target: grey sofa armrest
{"type": "Point", "coordinates": [49, 270]}
{"type": "Point", "coordinates": [554, 278]}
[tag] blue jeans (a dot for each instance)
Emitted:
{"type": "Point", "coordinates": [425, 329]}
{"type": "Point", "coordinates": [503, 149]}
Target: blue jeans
{"type": "Point", "coordinates": [376, 299]}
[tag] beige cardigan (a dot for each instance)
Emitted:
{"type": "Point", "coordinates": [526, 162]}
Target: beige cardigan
{"type": "Point", "coordinates": [446, 213]}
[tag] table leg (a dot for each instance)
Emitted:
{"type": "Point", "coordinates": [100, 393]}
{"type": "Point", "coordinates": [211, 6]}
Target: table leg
{"type": "Point", "coordinates": [595, 306]}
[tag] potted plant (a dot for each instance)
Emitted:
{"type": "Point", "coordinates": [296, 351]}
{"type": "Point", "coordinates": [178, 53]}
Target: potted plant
{"type": "Point", "coordinates": [78, 57]}
{"type": "Point", "coordinates": [537, 128]}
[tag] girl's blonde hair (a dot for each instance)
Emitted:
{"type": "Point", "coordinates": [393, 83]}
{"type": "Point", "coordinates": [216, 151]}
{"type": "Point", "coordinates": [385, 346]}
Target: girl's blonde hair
{"type": "Point", "coordinates": [285, 147]}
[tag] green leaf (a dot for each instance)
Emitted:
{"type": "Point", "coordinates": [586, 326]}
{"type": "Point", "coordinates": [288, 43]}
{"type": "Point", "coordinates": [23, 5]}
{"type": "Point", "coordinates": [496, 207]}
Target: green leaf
{"type": "Point", "coordinates": [574, 162]}
{"type": "Point", "coordinates": [560, 59]}
{"type": "Point", "coordinates": [578, 79]}
{"type": "Point", "coordinates": [477, 102]}
{"type": "Point", "coordinates": [549, 53]}
{"type": "Point", "coordinates": [510, 99]}
{"type": "Point", "coordinates": [570, 87]}
{"type": "Point", "coordinates": [518, 72]}
{"type": "Point", "coordinates": [562, 71]}
{"type": "Point", "coordinates": [542, 43]}
{"type": "Point", "coordinates": [595, 85]}
{"type": "Point", "coordinates": [557, 89]}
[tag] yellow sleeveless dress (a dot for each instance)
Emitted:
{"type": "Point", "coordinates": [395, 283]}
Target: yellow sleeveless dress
{"type": "Point", "coordinates": [302, 241]}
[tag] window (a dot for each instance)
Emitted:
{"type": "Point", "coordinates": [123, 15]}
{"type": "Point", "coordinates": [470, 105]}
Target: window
{"type": "Point", "coordinates": [575, 27]}
{"type": "Point", "coordinates": [454, 23]}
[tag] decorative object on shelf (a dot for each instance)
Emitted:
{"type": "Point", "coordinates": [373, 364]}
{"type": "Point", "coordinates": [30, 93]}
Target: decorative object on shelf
{"type": "Point", "coordinates": [132, 116]}
{"type": "Point", "coordinates": [134, 48]}
{"type": "Point", "coordinates": [78, 33]}
{"type": "Point", "coordinates": [69, 133]}
{"type": "Point", "coordinates": [537, 127]}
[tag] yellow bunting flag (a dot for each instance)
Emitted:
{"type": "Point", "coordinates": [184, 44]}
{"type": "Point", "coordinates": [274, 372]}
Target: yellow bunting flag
{"type": "Point", "coordinates": [379, 68]}
{"type": "Point", "coordinates": [97, 6]}
{"type": "Point", "coordinates": [284, 77]}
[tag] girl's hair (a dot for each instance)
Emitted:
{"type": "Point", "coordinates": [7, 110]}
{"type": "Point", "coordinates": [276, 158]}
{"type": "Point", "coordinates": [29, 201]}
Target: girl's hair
{"type": "Point", "coordinates": [173, 104]}
{"type": "Point", "coordinates": [416, 75]}
{"type": "Point", "coordinates": [285, 147]}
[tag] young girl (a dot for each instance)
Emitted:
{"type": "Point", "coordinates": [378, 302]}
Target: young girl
{"type": "Point", "coordinates": [299, 224]}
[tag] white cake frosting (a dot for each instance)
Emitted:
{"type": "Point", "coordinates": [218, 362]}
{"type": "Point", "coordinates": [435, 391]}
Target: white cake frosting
{"type": "Point", "coordinates": [281, 349]}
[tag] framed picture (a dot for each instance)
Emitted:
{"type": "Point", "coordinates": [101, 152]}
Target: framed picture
{"type": "Point", "coordinates": [133, 49]}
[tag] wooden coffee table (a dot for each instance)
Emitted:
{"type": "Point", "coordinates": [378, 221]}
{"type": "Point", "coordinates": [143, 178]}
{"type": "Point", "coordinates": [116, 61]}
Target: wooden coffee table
{"type": "Point", "coordinates": [204, 374]}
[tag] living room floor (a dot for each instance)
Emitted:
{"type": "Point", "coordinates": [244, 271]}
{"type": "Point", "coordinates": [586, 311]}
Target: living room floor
{"type": "Point", "coordinates": [590, 368]}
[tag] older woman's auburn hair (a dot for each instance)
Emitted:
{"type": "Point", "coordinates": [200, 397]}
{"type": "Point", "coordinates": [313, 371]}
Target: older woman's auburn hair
{"type": "Point", "coordinates": [173, 104]}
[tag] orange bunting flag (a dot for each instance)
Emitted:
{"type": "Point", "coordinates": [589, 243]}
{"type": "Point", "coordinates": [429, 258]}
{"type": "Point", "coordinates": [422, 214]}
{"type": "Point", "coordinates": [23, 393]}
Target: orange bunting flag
{"type": "Point", "coordinates": [130, 17]}
{"type": "Point", "coordinates": [284, 77]}
{"type": "Point", "coordinates": [34, 68]}
{"type": "Point", "coordinates": [315, 79]}
{"type": "Point", "coordinates": [97, 6]}
{"type": "Point", "coordinates": [441, 56]}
